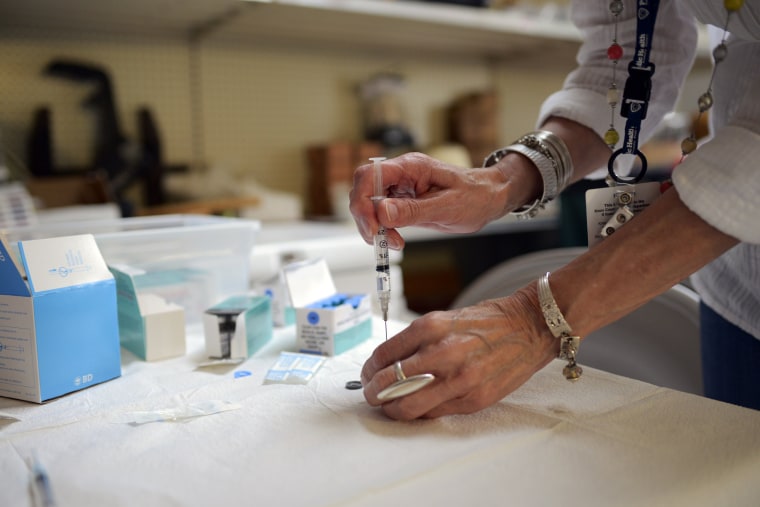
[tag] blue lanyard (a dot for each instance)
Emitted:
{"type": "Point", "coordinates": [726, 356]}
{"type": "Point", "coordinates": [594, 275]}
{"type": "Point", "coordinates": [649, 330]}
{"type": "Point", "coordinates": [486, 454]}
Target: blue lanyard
{"type": "Point", "coordinates": [638, 88]}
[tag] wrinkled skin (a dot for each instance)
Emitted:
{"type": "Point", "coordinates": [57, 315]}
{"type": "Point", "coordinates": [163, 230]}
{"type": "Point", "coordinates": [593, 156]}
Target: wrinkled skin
{"type": "Point", "coordinates": [425, 192]}
{"type": "Point", "coordinates": [479, 354]}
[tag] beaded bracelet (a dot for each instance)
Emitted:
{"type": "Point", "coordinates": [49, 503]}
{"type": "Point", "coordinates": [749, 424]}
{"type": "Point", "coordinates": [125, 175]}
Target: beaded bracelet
{"type": "Point", "coordinates": [552, 159]}
{"type": "Point", "coordinates": [560, 329]}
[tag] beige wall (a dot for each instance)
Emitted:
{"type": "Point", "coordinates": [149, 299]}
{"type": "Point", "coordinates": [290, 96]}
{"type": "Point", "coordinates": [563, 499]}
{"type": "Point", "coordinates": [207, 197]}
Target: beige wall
{"type": "Point", "coordinates": [263, 105]}
{"type": "Point", "coordinates": [248, 108]}
{"type": "Point", "coordinates": [240, 108]}
{"type": "Point", "coordinates": [143, 72]}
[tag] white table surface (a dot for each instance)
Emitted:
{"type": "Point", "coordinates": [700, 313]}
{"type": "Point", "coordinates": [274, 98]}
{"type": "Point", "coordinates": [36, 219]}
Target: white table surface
{"type": "Point", "coordinates": [605, 440]}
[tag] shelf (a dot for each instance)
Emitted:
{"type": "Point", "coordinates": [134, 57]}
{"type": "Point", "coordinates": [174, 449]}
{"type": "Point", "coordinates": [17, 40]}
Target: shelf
{"type": "Point", "coordinates": [136, 17]}
{"type": "Point", "coordinates": [409, 26]}
{"type": "Point", "coordinates": [378, 25]}
{"type": "Point", "coordinates": [402, 26]}
{"type": "Point", "coordinates": [363, 24]}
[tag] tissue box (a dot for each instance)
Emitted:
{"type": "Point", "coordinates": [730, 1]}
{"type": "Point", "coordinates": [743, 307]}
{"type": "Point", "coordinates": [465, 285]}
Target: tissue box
{"type": "Point", "coordinates": [327, 322]}
{"type": "Point", "coordinates": [59, 329]}
{"type": "Point", "coordinates": [237, 327]}
{"type": "Point", "coordinates": [149, 326]}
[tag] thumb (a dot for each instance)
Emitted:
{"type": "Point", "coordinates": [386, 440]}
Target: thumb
{"type": "Point", "coordinates": [391, 209]}
{"type": "Point", "coordinates": [402, 212]}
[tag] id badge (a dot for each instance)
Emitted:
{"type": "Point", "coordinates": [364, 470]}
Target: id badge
{"type": "Point", "coordinates": [609, 208]}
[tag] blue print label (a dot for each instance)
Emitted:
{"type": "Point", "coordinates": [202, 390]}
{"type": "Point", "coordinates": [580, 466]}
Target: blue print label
{"type": "Point", "coordinates": [313, 318]}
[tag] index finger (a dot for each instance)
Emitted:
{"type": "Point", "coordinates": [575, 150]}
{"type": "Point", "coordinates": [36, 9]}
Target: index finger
{"type": "Point", "coordinates": [364, 208]}
{"type": "Point", "coordinates": [361, 204]}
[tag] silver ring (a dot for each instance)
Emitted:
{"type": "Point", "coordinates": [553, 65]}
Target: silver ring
{"type": "Point", "coordinates": [403, 385]}
{"type": "Point", "coordinates": [399, 372]}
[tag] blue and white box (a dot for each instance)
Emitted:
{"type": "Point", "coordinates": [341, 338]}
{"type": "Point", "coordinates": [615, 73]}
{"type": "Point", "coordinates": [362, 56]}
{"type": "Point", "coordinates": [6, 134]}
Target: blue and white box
{"type": "Point", "coordinates": [327, 322]}
{"type": "Point", "coordinates": [150, 327]}
{"type": "Point", "coordinates": [59, 329]}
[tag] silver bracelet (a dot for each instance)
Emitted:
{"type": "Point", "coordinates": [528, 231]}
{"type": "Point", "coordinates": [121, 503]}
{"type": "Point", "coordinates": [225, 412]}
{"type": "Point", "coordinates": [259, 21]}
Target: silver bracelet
{"type": "Point", "coordinates": [547, 167]}
{"type": "Point", "coordinates": [560, 329]}
{"type": "Point", "coordinates": [552, 159]}
{"type": "Point", "coordinates": [561, 154]}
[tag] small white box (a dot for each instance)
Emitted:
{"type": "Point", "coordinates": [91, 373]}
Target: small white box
{"type": "Point", "coordinates": [327, 322]}
{"type": "Point", "coordinates": [59, 329]}
{"type": "Point", "coordinates": [277, 291]}
{"type": "Point", "coordinates": [238, 327]}
{"type": "Point", "coordinates": [149, 326]}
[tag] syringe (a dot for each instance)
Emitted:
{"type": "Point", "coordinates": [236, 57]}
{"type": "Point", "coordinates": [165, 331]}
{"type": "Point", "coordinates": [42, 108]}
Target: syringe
{"type": "Point", "coordinates": [403, 385]}
{"type": "Point", "coordinates": [382, 261]}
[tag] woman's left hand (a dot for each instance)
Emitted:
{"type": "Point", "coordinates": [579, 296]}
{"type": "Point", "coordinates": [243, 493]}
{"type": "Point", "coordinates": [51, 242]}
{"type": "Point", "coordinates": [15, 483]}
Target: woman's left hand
{"type": "Point", "coordinates": [478, 354]}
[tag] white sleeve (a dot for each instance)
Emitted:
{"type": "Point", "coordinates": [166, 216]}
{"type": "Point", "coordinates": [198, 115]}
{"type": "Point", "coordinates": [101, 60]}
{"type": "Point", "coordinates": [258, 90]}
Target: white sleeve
{"type": "Point", "coordinates": [584, 95]}
{"type": "Point", "coordinates": [720, 181]}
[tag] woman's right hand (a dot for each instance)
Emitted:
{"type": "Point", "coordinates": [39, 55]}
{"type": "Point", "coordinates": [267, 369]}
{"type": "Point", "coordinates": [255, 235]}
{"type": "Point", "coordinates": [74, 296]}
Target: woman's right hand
{"type": "Point", "coordinates": [426, 192]}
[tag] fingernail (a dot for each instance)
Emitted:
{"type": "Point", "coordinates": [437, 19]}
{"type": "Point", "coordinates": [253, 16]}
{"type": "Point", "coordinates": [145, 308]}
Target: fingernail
{"type": "Point", "coordinates": [391, 211]}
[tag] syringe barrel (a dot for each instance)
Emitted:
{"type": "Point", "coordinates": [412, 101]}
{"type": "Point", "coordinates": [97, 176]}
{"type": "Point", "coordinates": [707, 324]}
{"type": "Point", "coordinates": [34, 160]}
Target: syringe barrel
{"type": "Point", "coordinates": [382, 262]}
{"type": "Point", "coordinates": [382, 259]}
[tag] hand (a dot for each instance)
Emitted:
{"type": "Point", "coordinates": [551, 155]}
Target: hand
{"type": "Point", "coordinates": [426, 192]}
{"type": "Point", "coordinates": [478, 355]}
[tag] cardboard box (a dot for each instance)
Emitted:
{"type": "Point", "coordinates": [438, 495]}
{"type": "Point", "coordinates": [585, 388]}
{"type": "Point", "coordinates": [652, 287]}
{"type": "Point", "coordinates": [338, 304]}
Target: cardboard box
{"type": "Point", "coordinates": [327, 322]}
{"type": "Point", "coordinates": [238, 327]}
{"type": "Point", "coordinates": [59, 328]}
{"type": "Point", "coordinates": [150, 327]}
{"type": "Point", "coordinates": [332, 166]}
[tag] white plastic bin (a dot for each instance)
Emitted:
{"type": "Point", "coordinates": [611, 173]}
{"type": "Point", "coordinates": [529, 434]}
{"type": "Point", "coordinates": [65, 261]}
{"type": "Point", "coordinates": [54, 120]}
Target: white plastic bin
{"type": "Point", "coordinates": [195, 260]}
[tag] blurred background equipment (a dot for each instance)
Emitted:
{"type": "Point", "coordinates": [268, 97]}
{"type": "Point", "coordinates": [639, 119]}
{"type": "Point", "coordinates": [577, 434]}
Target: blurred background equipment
{"type": "Point", "coordinates": [116, 162]}
{"type": "Point", "coordinates": [331, 170]}
{"type": "Point", "coordinates": [473, 122]}
{"type": "Point", "coordinates": [384, 117]}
